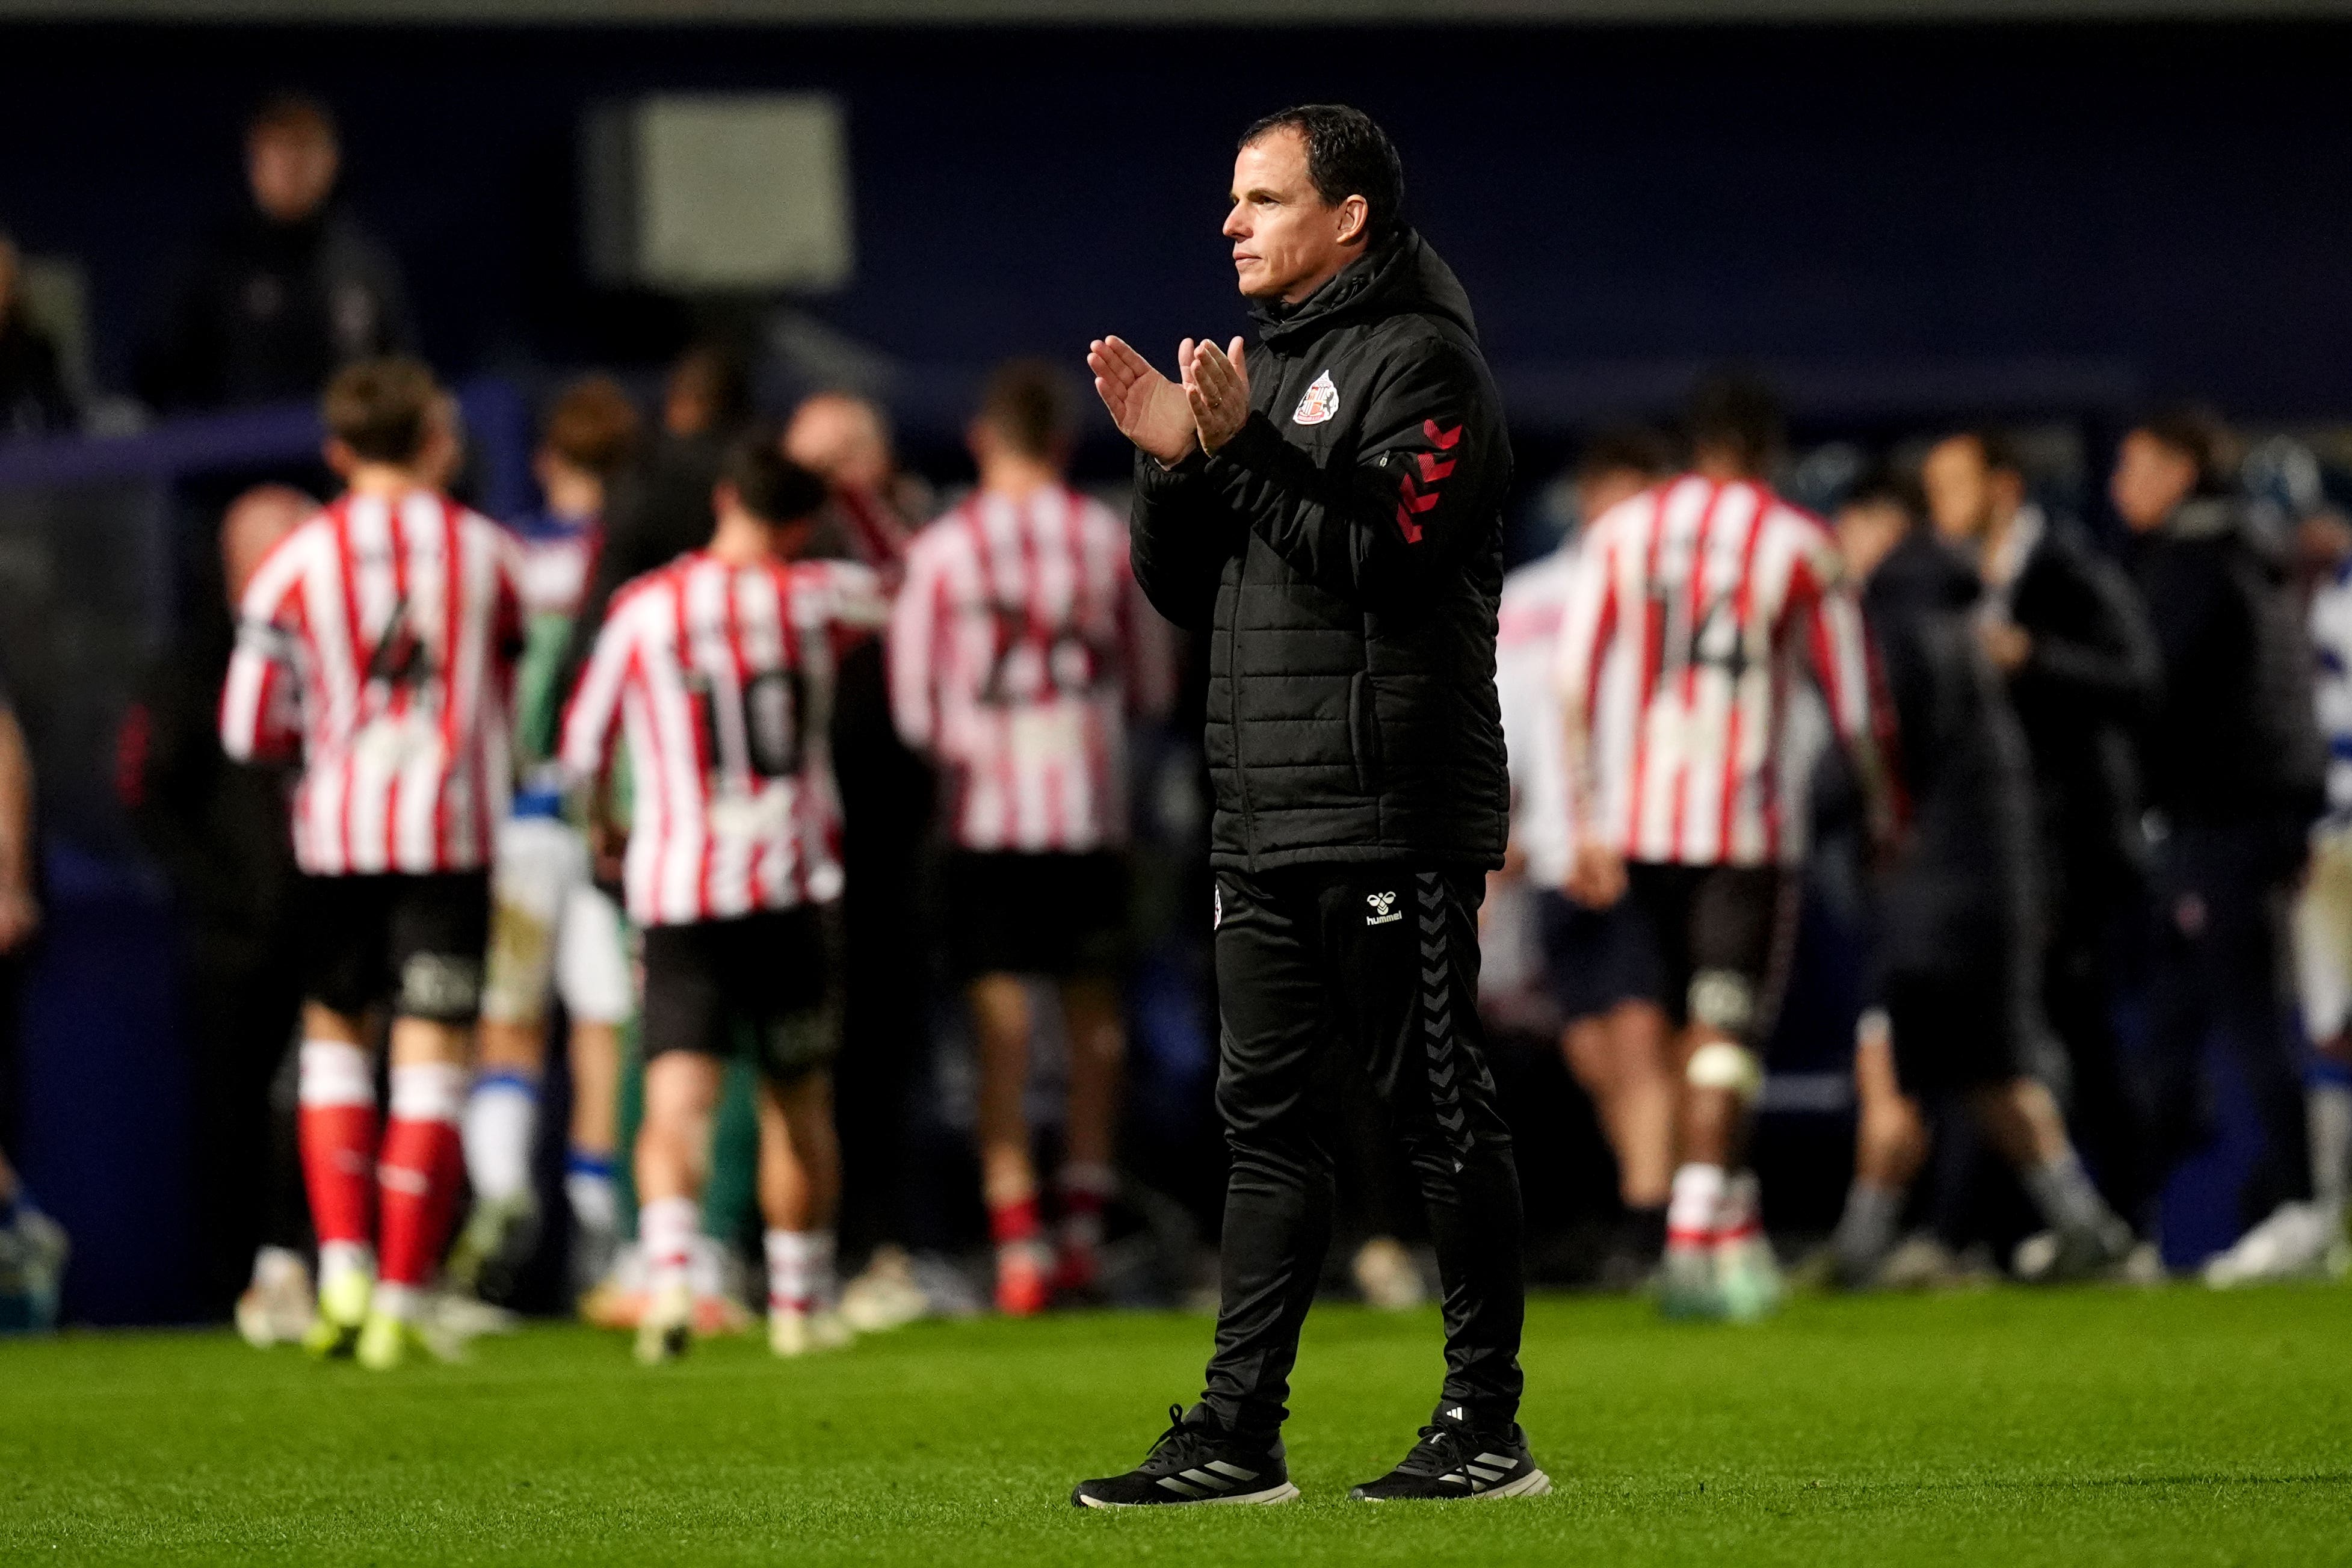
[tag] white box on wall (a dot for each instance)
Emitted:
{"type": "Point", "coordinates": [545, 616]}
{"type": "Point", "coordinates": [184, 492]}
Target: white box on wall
{"type": "Point", "coordinates": [703, 192]}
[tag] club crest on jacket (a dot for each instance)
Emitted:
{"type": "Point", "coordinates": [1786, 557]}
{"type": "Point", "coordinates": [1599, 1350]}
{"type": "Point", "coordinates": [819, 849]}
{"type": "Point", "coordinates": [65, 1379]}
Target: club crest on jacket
{"type": "Point", "coordinates": [1322, 402]}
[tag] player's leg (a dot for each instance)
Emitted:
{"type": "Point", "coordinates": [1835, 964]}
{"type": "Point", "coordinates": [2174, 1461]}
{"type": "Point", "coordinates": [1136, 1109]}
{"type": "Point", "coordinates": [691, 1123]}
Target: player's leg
{"type": "Point", "coordinates": [1405, 992]}
{"type": "Point", "coordinates": [1090, 952]}
{"type": "Point", "coordinates": [2021, 1119]}
{"type": "Point", "coordinates": [800, 1198]}
{"type": "Point", "coordinates": [1741, 919]}
{"type": "Point", "coordinates": [537, 860]}
{"type": "Point", "coordinates": [1890, 1142]}
{"type": "Point", "coordinates": [1097, 1033]}
{"type": "Point", "coordinates": [784, 963]}
{"type": "Point", "coordinates": [438, 926]}
{"type": "Point", "coordinates": [2300, 1239]}
{"type": "Point", "coordinates": [1000, 1024]}
{"type": "Point", "coordinates": [1603, 971]}
{"type": "Point", "coordinates": [593, 978]}
{"type": "Point", "coordinates": [344, 928]}
{"type": "Point", "coordinates": [1272, 998]}
{"type": "Point", "coordinates": [685, 1013]}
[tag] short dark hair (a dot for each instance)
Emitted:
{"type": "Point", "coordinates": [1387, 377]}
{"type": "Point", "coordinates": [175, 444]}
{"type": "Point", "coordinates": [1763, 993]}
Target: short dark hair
{"type": "Point", "coordinates": [1882, 484]}
{"type": "Point", "coordinates": [1735, 411]}
{"type": "Point", "coordinates": [771, 487]}
{"type": "Point", "coordinates": [1028, 404]}
{"type": "Point", "coordinates": [2199, 435]}
{"type": "Point", "coordinates": [593, 424]}
{"type": "Point", "coordinates": [1348, 154]}
{"type": "Point", "coordinates": [290, 113]}
{"type": "Point", "coordinates": [1996, 448]}
{"type": "Point", "coordinates": [380, 408]}
{"type": "Point", "coordinates": [715, 373]}
{"type": "Point", "coordinates": [1623, 449]}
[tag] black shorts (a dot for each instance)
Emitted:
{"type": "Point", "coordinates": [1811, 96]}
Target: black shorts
{"type": "Point", "coordinates": [1060, 915]}
{"type": "Point", "coordinates": [1595, 958]}
{"type": "Point", "coordinates": [763, 981]}
{"type": "Point", "coordinates": [416, 942]}
{"type": "Point", "coordinates": [1722, 936]}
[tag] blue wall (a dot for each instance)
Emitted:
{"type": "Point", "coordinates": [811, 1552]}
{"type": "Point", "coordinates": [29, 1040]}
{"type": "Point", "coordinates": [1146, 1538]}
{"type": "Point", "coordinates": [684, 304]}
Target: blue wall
{"type": "Point", "coordinates": [1898, 213]}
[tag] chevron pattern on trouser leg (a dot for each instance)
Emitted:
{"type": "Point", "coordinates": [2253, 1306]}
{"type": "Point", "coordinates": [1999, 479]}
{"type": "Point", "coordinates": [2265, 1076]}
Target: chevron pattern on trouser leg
{"type": "Point", "coordinates": [1437, 1014]}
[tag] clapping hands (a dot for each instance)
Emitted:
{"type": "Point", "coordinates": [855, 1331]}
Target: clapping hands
{"type": "Point", "coordinates": [1164, 417]}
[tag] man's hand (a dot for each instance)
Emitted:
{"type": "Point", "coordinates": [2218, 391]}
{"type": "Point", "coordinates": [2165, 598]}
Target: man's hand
{"type": "Point", "coordinates": [1597, 876]}
{"type": "Point", "coordinates": [2007, 644]}
{"type": "Point", "coordinates": [1217, 387]}
{"type": "Point", "coordinates": [1149, 409]}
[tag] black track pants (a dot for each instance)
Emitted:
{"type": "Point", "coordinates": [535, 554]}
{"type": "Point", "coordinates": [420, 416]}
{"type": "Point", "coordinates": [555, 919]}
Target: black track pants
{"type": "Point", "coordinates": [1378, 963]}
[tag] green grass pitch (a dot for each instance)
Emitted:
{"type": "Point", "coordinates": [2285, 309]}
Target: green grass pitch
{"type": "Point", "coordinates": [2082, 1427]}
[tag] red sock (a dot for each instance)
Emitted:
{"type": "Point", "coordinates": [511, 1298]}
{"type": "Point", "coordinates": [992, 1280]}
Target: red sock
{"type": "Point", "coordinates": [417, 1176]}
{"type": "Point", "coordinates": [337, 1123]}
{"type": "Point", "coordinates": [1015, 1221]}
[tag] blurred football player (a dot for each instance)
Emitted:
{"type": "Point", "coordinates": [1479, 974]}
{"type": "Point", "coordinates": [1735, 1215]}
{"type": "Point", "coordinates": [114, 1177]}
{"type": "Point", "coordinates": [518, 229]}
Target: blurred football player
{"type": "Point", "coordinates": [1694, 605]}
{"type": "Point", "coordinates": [553, 931]}
{"type": "Point", "coordinates": [718, 668]}
{"type": "Point", "coordinates": [390, 622]}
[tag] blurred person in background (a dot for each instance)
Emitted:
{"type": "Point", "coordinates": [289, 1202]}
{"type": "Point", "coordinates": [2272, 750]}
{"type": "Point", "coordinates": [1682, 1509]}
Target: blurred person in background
{"type": "Point", "coordinates": [2303, 1240]}
{"type": "Point", "coordinates": [1020, 648]}
{"type": "Point", "coordinates": [286, 292]}
{"type": "Point", "coordinates": [1330, 506]}
{"type": "Point", "coordinates": [33, 1246]}
{"type": "Point", "coordinates": [717, 669]}
{"type": "Point", "coordinates": [1957, 1016]}
{"type": "Point", "coordinates": [554, 932]}
{"type": "Point", "coordinates": [2236, 775]}
{"type": "Point", "coordinates": [219, 828]}
{"type": "Point", "coordinates": [658, 507]}
{"type": "Point", "coordinates": [871, 512]}
{"type": "Point", "coordinates": [1598, 963]}
{"type": "Point", "coordinates": [1699, 600]}
{"type": "Point", "coordinates": [2061, 625]}
{"type": "Point", "coordinates": [34, 400]}
{"type": "Point", "coordinates": [383, 630]}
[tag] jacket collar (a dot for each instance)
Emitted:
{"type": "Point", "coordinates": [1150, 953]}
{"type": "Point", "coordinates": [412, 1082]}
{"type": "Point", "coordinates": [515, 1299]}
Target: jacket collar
{"type": "Point", "coordinates": [1399, 276]}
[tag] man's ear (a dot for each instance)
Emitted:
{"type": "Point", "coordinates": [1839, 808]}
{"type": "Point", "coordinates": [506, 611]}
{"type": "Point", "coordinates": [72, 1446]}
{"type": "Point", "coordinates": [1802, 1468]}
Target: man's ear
{"type": "Point", "coordinates": [341, 460]}
{"type": "Point", "coordinates": [1355, 220]}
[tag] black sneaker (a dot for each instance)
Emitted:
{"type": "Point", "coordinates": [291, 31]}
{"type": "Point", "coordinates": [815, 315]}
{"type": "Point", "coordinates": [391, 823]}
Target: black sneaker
{"type": "Point", "coordinates": [1456, 1461]}
{"type": "Point", "coordinates": [1195, 1461]}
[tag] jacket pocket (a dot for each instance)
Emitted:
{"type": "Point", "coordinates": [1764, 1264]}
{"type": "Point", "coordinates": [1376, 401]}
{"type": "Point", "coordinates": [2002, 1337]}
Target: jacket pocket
{"type": "Point", "coordinates": [1364, 732]}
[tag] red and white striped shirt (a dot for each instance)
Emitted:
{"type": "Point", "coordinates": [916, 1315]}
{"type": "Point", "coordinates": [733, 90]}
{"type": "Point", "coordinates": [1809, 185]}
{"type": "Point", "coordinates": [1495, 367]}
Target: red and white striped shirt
{"type": "Point", "coordinates": [392, 624]}
{"type": "Point", "coordinates": [1713, 594]}
{"type": "Point", "coordinates": [723, 677]}
{"type": "Point", "coordinates": [1019, 648]}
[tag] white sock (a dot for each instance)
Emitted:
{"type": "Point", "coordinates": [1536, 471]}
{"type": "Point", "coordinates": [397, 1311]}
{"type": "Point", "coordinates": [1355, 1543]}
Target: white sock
{"type": "Point", "coordinates": [501, 1115]}
{"type": "Point", "coordinates": [665, 1226]}
{"type": "Point", "coordinates": [1691, 1211]}
{"type": "Point", "coordinates": [338, 1258]}
{"type": "Point", "coordinates": [398, 1301]}
{"type": "Point", "coordinates": [799, 1269]}
{"type": "Point", "coordinates": [274, 1267]}
{"type": "Point", "coordinates": [2328, 1108]}
{"type": "Point", "coordinates": [588, 1188]}
{"type": "Point", "coordinates": [2061, 1190]}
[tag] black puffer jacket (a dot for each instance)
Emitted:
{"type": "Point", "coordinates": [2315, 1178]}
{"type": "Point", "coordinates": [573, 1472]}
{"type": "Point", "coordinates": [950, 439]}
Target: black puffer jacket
{"type": "Point", "coordinates": [1345, 549]}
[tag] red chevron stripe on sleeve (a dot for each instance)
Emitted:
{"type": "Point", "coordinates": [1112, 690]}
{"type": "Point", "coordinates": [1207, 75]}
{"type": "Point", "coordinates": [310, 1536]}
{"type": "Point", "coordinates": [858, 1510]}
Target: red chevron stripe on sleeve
{"type": "Point", "coordinates": [1412, 500]}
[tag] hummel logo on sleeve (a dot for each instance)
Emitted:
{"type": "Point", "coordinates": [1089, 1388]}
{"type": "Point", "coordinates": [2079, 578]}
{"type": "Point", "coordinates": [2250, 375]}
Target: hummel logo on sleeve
{"type": "Point", "coordinates": [1384, 910]}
